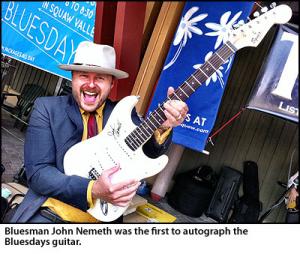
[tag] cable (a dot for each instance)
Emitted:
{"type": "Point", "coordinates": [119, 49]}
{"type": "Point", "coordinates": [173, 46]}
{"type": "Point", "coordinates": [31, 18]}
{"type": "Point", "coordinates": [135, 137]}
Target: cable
{"type": "Point", "coordinates": [224, 125]}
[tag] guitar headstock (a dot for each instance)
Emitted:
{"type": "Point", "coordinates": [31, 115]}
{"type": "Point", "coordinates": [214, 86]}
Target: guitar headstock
{"type": "Point", "coordinates": [252, 33]}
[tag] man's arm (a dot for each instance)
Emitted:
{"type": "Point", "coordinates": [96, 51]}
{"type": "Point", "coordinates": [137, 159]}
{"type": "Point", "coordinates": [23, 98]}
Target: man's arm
{"type": "Point", "coordinates": [40, 162]}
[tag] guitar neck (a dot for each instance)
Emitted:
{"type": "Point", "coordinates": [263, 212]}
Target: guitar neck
{"type": "Point", "coordinates": [145, 130]}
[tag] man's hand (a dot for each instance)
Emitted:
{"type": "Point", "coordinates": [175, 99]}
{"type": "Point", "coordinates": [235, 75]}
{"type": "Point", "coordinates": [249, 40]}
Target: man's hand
{"type": "Point", "coordinates": [119, 194]}
{"type": "Point", "coordinates": [292, 198]}
{"type": "Point", "coordinates": [175, 111]}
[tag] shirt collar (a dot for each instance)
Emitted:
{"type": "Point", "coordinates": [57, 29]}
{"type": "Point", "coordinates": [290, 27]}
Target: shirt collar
{"type": "Point", "coordinates": [98, 110]}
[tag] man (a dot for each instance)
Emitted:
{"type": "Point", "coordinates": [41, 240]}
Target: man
{"type": "Point", "coordinates": [292, 200]}
{"type": "Point", "coordinates": [58, 123]}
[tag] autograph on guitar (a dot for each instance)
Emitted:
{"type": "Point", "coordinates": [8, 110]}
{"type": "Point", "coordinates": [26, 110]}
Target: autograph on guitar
{"type": "Point", "coordinates": [121, 140]}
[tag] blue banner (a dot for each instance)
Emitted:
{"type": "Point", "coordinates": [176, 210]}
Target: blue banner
{"type": "Point", "coordinates": [276, 90]}
{"type": "Point", "coordinates": [203, 29]}
{"type": "Point", "coordinates": [46, 34]}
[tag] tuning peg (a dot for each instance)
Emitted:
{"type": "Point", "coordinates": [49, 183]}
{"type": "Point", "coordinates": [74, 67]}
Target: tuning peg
{"type": "Point", "coordinates": [273, 5]}
{"type": "Point", "coordinates": [256, 14]}
{"type": "Point", "coordinates": [264, 9]}
{"type": "Point", "coordinates": [242, 22]}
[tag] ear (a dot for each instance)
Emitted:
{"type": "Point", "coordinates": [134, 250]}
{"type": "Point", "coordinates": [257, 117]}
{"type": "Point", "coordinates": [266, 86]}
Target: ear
{"type": "Point", "coordinates": [113, 79]}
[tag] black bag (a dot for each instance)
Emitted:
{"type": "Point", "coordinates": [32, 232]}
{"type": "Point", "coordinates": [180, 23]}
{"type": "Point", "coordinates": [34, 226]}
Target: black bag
{"type": "Point", "coordinates": [8, 209]}
{"type": "Point", "coordinates": [10, 205]}
{"type": "Point", "coordinates": [4, 208]}
{"type": "Point", "coordinates": [225, 194]}
{"type": "Point", "coordinates": [2, 169]}
{"type": "Point", "coordinates": [4, 202]}
{"type": "Point", "coordinates": [248, 207]}
{"type": "Point", "coordinates": [192, 191]}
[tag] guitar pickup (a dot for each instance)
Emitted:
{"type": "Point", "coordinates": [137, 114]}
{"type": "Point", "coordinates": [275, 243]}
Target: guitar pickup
{"type": "Point", "coordinates": [93, 174]}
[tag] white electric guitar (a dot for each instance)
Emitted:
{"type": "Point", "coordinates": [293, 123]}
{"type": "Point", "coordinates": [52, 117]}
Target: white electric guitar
{"type": "Point", "coordinates": [121, 141]}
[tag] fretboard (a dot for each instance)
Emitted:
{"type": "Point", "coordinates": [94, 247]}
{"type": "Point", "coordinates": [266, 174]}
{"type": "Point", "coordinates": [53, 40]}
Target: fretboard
{"type": "Point", "coordinates": [145, 130]}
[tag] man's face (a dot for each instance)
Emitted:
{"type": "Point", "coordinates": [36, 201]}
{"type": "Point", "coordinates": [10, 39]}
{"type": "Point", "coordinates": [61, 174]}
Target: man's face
{"type": "Point", "coordinates": [90, 89]}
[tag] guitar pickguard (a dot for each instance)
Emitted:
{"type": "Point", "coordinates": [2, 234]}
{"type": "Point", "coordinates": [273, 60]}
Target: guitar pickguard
{"type": "Point", "coordinates": [91, 157]}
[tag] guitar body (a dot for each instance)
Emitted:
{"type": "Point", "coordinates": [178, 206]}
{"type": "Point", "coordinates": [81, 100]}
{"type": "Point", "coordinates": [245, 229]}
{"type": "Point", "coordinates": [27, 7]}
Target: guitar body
{"type": "Point", "coordinates": [91, 157]}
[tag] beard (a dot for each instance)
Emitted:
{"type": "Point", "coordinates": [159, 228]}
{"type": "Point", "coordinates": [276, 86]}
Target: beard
{"type": "Point", "coordinates": [89, 99]}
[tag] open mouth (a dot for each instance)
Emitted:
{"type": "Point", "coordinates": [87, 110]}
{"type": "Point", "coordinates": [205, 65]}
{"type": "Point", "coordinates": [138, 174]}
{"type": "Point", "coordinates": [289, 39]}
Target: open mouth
{"type": "Point", "coordinates": [89, 97]}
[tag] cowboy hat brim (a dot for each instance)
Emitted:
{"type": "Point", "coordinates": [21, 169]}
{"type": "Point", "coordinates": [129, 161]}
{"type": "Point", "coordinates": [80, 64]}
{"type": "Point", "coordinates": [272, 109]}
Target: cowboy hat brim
{"type": "Point", "coordinates": [118, 74]}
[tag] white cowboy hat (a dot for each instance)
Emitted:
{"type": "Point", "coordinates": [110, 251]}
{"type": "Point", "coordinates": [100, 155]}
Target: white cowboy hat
{"type": "Point", "coordinates": [92, 57]}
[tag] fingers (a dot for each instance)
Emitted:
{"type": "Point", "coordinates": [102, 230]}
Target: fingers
{"type": "Point", "coordinates": [170, 90]}
{"type": "Point", "coordinates": [112, 170]}
{"type": "Point", "coordinates": [176, 108]}
{"type": "Point", "coordinates": [175, 112]}
{"type": "Point", "coordinates": [123, 185]}
{"type": "Point", "coordinates": [119, 194]}
{"type": "Point", "coordinates": [170, 118]}
{"type": "Point", "coordinates": [124, 196]}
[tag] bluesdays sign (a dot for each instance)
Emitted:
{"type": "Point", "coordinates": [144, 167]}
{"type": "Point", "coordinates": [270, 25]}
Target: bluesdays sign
{"type": "Point", "coordinates": [45, 34]}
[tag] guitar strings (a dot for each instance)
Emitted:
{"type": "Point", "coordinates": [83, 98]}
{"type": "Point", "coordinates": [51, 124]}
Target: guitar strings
{"type": "Point", "coordinates": [138, 137]}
